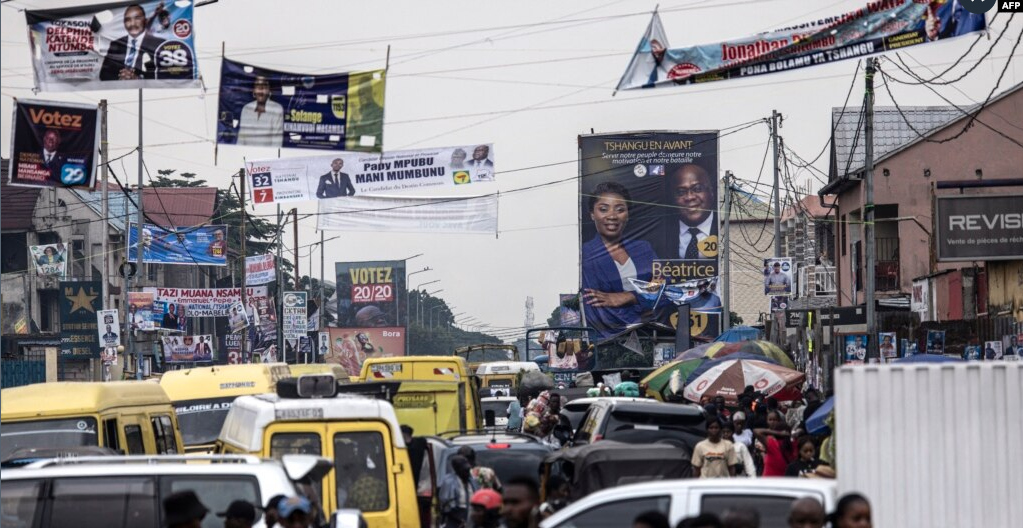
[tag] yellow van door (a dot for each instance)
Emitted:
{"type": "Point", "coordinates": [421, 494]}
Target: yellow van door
{"type": "Point", "coordinates": [301, 438]}
{"type": "Point", "coordinates": [137, 437]}
{"type": "Point", "coordinates": [365, 471]}
{"type": "Point", "coordinates": [418, 410]}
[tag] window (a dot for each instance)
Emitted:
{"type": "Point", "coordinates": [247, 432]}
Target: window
{"type": "Point", "coordinates": [110, 438]}
{"type": "Point", "coordinates": [163, 429]}
{"type": "Point", "coordinates": [67, 432]}
{"type": "Point", "coordinates": [360, 467]}
{"type": "Point", "coordinates": [619, 513]}
{"type": "Point", "coordinates": [297, 444]}
{"type": "Point", "coordinates": [588, 425]}
{"type": "Point", "coordinates": [77, 259]}
{"type": "Point", "coordinates": [20, 503]}
{"type": "Point", "coordinates": [773, 509]}
{"type": "Point", "coordinates": [133, 439]}
{"type": "Point", "coordinates": [217, 492]}
{"type": "Point", "coordinates": [103, 502]}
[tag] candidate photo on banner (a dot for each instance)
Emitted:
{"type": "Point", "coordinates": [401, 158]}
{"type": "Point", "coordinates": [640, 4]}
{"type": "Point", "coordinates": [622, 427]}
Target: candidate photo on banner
{"type": "Point", "coordinates": [114, 46]}
{"type": "Point", "coordinates": [778, 276]}
{"type": "Point", "coordinates": [269, 108]}
{"type": "Point", "coordinates": [53, 144]}
{"type": "Point", "coordinates": [371, 294]}
{"type": "Point", "coordinates": [191, 246]}
{"type": "Point", "coordinates": [936, 342]}
{"type": "Point", "coordinates": [855, 348]}
{"type": "Point", "coordinates": [109, 328]}
{"type": "Point", "coordinates": [886, 344]}
{"type": "Point", "coordinates": [50, 259]}
{"type": "Point", "coordinates": [187, 348]}
{"type": "Point", "coordinates": [140, 311]}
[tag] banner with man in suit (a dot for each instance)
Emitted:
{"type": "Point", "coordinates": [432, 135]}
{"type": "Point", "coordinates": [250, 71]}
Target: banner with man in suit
{"type": "Point", "coordinates": [114, 46]}
{"type": "Point", "coordinates": [54, 144]}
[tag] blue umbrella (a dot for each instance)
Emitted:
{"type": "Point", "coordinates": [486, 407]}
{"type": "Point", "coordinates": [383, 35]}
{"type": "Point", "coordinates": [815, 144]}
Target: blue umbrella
{"type": "Point", "coordinates": [815, 423]}
{"type": "Point", "coordinates": [928, 358]}
{"type": "Point", "coordinates": [707, 365]}
{"type": "Point", "coordinates": [740, 333]}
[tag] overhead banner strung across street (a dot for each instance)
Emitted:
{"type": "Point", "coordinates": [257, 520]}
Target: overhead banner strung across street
{"type": "Point", "coordinates": [260, 269]}
{"type": "Point", "coordinates": [193, 246]}
{"type": "Point", "coordinates": [207, 302]}
{"type": "Point", "coordinates": [268, 108]}
{"type": "Point", "coordinates": [371, 312]}
{"type": "Point", "coordinates": [114, 46]}
{"type": "Point", "coordinates": [188, 349]}
{"type": "Point", "coordinates": [53, 144]}
{"type": "Point", "coordinates": [351, 173]}
{"type": "Point", "coordinates": [50, 260]}
{"type": "Point", "coordinates": [79, 302]}
{"type": "Point", "coordinates": [978, 227]}
{"type": "Point", "coordinates": [409, 215]}
{"type": "Point", "coordinates": [880, 26]}
{"type": "Point", "coordinates": [654, 196]}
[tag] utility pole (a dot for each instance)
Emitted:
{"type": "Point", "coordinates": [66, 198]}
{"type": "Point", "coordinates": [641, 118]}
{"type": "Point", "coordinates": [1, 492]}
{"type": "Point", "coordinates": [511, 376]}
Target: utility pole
{"type": "Point", "coordinates": [104, 158]}
{"type": "Point", "coordinates": [323, 307]}
{"type": "Point", "coordinates": [138, 245]}
{"type": "Point", "coordinates": [245, 272]}
{"type": "Point", "coordinates": [294, 221]}
{"type": "Point", "coordinates": [726, 299]}
{"type": "Point", "coordinates": [775, 116]}
{"type": "Point", "coordinates": [868, 209]}
{"type": "Point", "coordinates": [280, 284]}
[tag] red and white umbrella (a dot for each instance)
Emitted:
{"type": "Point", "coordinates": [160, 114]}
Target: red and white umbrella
{"type": "Point", "coordinates": [730, 378]}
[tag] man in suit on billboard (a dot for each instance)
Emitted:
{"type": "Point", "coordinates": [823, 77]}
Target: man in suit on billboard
{"type": "Point", "coordinates": [53, 160]}
{"type": "Point", "coordinates": [335, 183]}
{"type": "Point", "coordinates": [694, 193]}
{"type": "Point", "coordinates": [131, 56]}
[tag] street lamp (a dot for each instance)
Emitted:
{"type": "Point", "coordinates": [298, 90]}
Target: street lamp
{"type": "Point", "coordinates": [419, 296]}
{"type": "Point", "coordinates": [431, 314]}
{"type": "Point", "coordinates": [419, 304]}
{"type": "Point", "coordinates": [408, 293]}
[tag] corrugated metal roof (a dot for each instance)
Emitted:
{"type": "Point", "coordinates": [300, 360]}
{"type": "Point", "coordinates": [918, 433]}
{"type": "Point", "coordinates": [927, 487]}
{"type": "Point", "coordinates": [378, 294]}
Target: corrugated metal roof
{"type": "Point", "coordinates": [17, 204]}
{"type": "Point", "coordinates": [179, 206]}
{"type": "Point", "coordinates": [118, 202]}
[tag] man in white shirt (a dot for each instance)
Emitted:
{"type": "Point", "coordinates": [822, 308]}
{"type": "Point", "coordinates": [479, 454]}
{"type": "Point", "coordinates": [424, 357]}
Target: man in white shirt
{"type": "Point", "coordinates": [695, 196]}
{"type": "Point", "coordinates": [776, 282]}
{"type": "Point", "coordinates": [262, 121]}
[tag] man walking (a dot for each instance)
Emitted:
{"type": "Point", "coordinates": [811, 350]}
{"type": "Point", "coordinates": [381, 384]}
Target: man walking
{"type": "Point", "coordinates": [455, 491]}
{"type": "Point", "coordinates": [715, 456]}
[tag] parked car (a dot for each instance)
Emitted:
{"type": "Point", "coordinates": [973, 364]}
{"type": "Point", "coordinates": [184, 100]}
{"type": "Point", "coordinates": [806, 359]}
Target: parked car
{"type": "Point", "coordinates": [575, 409]}
{"type": "Point", "coordinates": [128, 491]}
{"type": "Point", "coordinates": [508, 454]}
{"type": "Point", "coordinates": [496, 408]}
{"type": "Point", "coordinates": [594, 467]}
{"type": "Point", "coordinates": [682, 425]}
{"type": "Point", "coordinates": [678, 499]}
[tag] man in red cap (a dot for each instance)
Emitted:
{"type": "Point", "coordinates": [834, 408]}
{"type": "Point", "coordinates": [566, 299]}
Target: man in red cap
{"type": "Point", "coordinates": [486, 509]}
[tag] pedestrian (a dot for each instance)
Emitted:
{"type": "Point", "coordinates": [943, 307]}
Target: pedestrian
{"type": "Point", "coordinates": [651, 519]}
{"type": "Point", "coordinates": [482, 476]}
{"type": "Point", "coordinates": [806, 512]}
{"type": "Point", "coordinates": [813, 402]}
{"type": "Point", "coordinates": [557, 497]}
{"type": "Point", "coordinates": [719, 404]}
{"type": "Point", "coordinates": [715, 456]}
{"type": "Point", "coordinates": [270, 511]}
{"type": "Point", "coordinates": [703, 520]}
{"type": "Point", "coordinates": [779, 449]}
{"type": "Point", "coordinates": [295, 512]}
{"type": "Point", "coordinates": [742, 433]}
{"type": "Point", "coordinates": [455, 491]}
{"type": "Point", "coordinates": [183, 510]}
{"type": "Point", "coordinates": [745, 467]}
{"type": "Point", "coordinates": [852, 511]}
{"type": "Point", "coordinates": [807, 460]}
{"type": "Point", "coordinates": [239, 514]}
{"type": "Point", "coordinates": [521, 501]}
{"type": "Point", "coordinates": [485, 509]}
{"type": "Point", "coordinates": [515, 416]}
{"type": "Point", "coordinates": [740, 517]}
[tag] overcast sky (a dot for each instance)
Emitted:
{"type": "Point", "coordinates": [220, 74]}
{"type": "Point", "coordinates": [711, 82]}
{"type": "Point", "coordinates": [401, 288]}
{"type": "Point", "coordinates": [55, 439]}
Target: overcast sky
{"type": "Point", "coordinates": [528, 76]}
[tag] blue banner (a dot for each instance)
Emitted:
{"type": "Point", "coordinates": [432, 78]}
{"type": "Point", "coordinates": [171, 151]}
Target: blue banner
{"type": "Point", "coordinates": [194, 246]}
{"type": "Point", "coordinates": [269, 108]}
{"type": "Point", "coordinates": [883, 25]}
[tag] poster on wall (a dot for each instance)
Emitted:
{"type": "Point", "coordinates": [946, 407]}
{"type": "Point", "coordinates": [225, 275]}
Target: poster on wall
{"type": "Point", "coordinates": [935, 342]}
{"type": "Point", "coordinates": [294, 314]}
{"type": "Point", "coordinates": [109, 328]}
{"type": "Point", "coordinates": [778, 273]}
{"type": "Point", "coordinates": [53, 144]}
{"type": "Point", "coordinates": [886, 345]}
{"type": "Point", "coordinates": [237, 320]}
{"type": "Point", "coordinates": [50, 259]}
{"type": "Point", "coordinates": [1011, 347]}
{"type": "Point", "coordinates": [855, 348]}
{"type": "Point", "coordinates": [992, 350]}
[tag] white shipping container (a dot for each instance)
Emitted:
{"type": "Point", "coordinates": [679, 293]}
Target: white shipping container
{"type": "Point", "coordinates": [933, 445]}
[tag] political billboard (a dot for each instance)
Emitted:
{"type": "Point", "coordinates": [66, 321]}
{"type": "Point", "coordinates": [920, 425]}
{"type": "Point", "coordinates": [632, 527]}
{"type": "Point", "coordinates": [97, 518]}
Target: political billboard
{"type": "Point", "coordinates": [79, 303]}
{"type": "Point", "coordinates": [206, 302]}
{"type": "Point", "coordinates": [371, 302]}
{"type": "Point", "coordinates": [109, 328]}
{"type": "Point", "coordinates": [346, 174]}
{"type": "Point", "coordinates": [778, 273]}
{"type": "Point", "coordinates": [877, 27]}
{"type": "Point", "coordinates": [53, 144]}
{"type": "Point", "coordinates": [187, 348]}
{"type": "Point", "coordinates": [141, 310]}
{"type": "Point", "coordinates": [191, 246]}
{"type": "Point", "coordinates": [260, 269]}
{"type": "Point", "coordinates": [50, 259]}
{"type": "Point", "coordinates": [124, 45]}
{"type": "Point", "coordinates": [269, 108]}
{"type": "Point", "coordinates": [648, 209]}
{"type": "Point", "coordinates": [350, 347]}
{"type": "Point", "coordinates": [394, 214]}
{"type": "Point", "coordinates": [978, 227]}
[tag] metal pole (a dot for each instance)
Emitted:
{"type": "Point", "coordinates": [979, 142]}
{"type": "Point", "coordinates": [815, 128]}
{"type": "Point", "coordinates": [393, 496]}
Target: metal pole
{"type": "Point", "coordinates": [245, 271]}
{"type": "Point", "coordinates": [138, 240]}
{"type": "Point", "coordinates": [294, 219]}
{"type": "Point", "coordinates": [323, 307]}
{"type": "Point", "coordinates": [868, 209]}
{"type": "Point", "coordinates": [726, 298]}
{"type": "Point", "coordinates": [280, 283]}
{"type": "Point", "coordinates": [104, 158]}
{"type": "Point", "coordinates": [777, 188]}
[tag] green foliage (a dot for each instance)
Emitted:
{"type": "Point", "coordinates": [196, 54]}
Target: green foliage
{"type": "Point", "coordinates": [735, 319]}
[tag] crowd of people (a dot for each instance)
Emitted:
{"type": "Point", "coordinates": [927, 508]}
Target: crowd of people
{"type": "Point", "coordinates": [851, 511]}
{"type": "Point", "coordinates": [184, 510]}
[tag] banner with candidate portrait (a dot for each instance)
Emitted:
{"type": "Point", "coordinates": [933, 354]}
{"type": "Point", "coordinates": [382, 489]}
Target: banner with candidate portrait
{"type": "Point", "coordinates": [190, 246]}
{"type": "Point", "coordinates": [347, 174]}
{"type": "Point", "coordinates": [50, 259]}
{"type": "Point", "coordinates": [648, 209]}
{"type": "Point", "coordinates": [877, 27]}
{"type": "Point", "coordinates": [371, 294]}
{"type": "Point", "coordinates": [778, 276]}
{"type": "Point", "coordinates": [109, 328]}
{"type": "Point", "coordinates": [53, 144]}
{"type": "Point", "coordinates": [855, 346]}
{"type": "Point", "coordinates": [270, 108]}
{"type": "Point", "coordinates": [149, 44]}
{"type": "Point", "coordinates": [141, 310]}
{"type": "Point", "coordinates": [187, 348]}
{"type": "Point", "coordinates": [395, 214]}
{"type": "Point", "coordinates": [207, 302]}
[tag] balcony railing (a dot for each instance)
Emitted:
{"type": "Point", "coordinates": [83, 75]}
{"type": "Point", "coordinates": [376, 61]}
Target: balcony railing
{"type": "Point", "coordinates": [886, 271]}
{"type": "Point", "coordinates": [824, 282]}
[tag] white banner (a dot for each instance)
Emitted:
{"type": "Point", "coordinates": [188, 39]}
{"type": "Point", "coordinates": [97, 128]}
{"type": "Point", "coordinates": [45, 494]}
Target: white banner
{"type": "Point", "coordinates": [50, 259]}
{"type": "Point", "coordinates": [108, 324]}
{"type": "Point", "coordinates": [187, 349]}
{"type": "Point", "coordinates": [207, 302]}
{"type": "Point", "coordinates": [260, 269]}
{"type": "Point", "coordinates": [346, 174]}
{"type": "Point", "coordinates": [409, 215]}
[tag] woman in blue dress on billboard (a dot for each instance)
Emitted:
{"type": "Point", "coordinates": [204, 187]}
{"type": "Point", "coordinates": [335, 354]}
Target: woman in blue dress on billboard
{"type": "Point", "coordinates": [609, 260]}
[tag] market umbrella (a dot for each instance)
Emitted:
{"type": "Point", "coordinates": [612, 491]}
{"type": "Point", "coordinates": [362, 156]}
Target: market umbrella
{"type": "Point", "coordinates": [701, 351]}
{"type": "Point", "coordinates": [928, 358]}
{"type": "Point", "coordinates": [713, 362]}
{"type": "Point", "coordinates": [658, 381]}
{"type": "Point", "coordinates": [729, 377]}
{"type": "Point", "coordinates": [815, 423]}
{"type": "Point", "coordinates": [737, 334]}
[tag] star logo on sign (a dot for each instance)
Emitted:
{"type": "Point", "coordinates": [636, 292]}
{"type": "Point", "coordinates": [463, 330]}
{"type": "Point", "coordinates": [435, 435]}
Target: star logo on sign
{"type": "Point", "coordinates": [82, 300]}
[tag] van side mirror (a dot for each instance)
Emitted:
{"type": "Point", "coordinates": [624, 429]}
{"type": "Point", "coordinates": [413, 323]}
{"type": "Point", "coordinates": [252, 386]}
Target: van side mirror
{"type": "Point", "coordinates": [489, 418]}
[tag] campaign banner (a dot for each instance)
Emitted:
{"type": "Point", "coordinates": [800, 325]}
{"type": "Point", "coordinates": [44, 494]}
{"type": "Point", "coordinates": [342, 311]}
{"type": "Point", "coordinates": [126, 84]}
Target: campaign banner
{"type": "Point", "coordinates": [370, 294]}
{"type": "Point", "coordinates": [935, 342]}
{"type": "Point", "coordinates": [886, 344]}
{"type": "Point", "coordinates": [50, 259]}
{"type": "Point", "coordinates": [1012, 346]}
{"type": "Point", "coordinates": [992, 349]}
{"type": "Point", "coordinates": [855, 348]}
{"type": "Point", "coordinates": [206, 302]}
{"type": "Point", "coordinates": [877, 27]}
{"type": "Point", "coordinates": [462, 215]}
{"type": "Point", "coordinates": [652, 198]}
{"type": "Point", "coordinates": [293, 314]}
{"type": "Point", "coordinates": [79, 336]}
{"type": "Point", "coordinates": [141, 311]}
{"type": "Point", "coordinates": [262, 342]}
{"type": "Point", "coordinates": [53, 144]}
{"type": "Point", "coordinates": [260, 269]}
{"type": "Point", "coordinates": [237, 320]}
{"type": "Point", "coordinates": [109, 328]}
{"type": "Point", "coordinates": [191, 246]}
{"type": "Point", "coordinates": [778, 273]}
{"type": "Point", "coordinates": [978, 227]}
{"type": "Point", "coordinates": [323, 343]}
{"type": "Point", "coordinates": [269, 108]}
{"type": "Point", "coordinates": [350, 347]}
{"type": "Point", "coordinates": [231, 344]}
{"type": "Point", "coordinates": [124, 45]}
{"type": "Point", "coordinates": [187, 348]}
{"type": "Point", "coordinates": [346, 174]}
